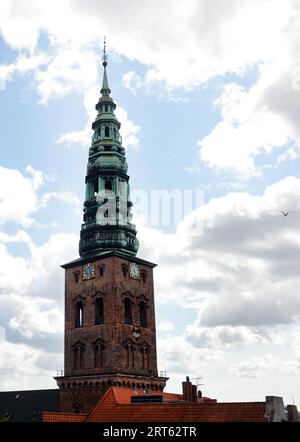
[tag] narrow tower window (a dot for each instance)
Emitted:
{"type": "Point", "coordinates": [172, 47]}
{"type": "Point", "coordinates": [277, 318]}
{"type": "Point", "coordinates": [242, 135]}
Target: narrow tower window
{"type": "Point", "coordinates": [78, 314]}
{"type": "Point", "coordinates": [99, 311]}
{"type": "Point", "coordinates": [108, 185]}
{"type": "Point", "coordinates": [106, 132]}
{"type": "Point", "coordinates": [132, 356]}
{"type": "Point", "coordinates": [76, 358]}
{"type": "Point", "coordinates": [99, 354]}
{"type": "Point", "coordinates": [78, 350]}
{"type": "Point", "coordinates": [127, 355]}
{"type": "Point", "coordinates": [128, 311]}
{"type": "Point", "coordinates": [95, 188]}
{"type": "Point", "coordinates": [143, 314]}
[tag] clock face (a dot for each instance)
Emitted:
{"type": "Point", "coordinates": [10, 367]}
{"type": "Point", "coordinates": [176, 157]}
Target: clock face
{"type": "Point", "coordinates": [88, 271]}
{"type": "Point", "coordinates": [134, 271]}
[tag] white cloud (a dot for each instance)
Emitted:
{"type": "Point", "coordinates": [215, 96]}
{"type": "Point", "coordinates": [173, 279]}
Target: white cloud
{"type": "Point", "coordinates": [129, 130]}
{"type": "Point", "coordinates": [21, 196]}
{"type": "Point", "coordinates": [18, 194]}
{"type": "Point", "coordinates": [176, 355]}
{"type": "Point", "coordinates": [132, 81]}
{"type": "Point", "coordinates": [23, 367]}
{"type": "Point", "coordinates": [246, 131]}
{"type": "Point", "coordinates": [166, 327]}
{"type": "Point", "coordinates": [256, 366]}
{"type": "Point", "coordinates": [223, 336]}
{"type": "Point", "coordinates": [38, 317]}
{"type": "Point", "coordinates": [241, 269]}
{"type": "Point", "coordinates": [184, 54]}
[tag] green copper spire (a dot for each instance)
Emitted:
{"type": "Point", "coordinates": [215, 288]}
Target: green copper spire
{"type": "Point", "coordinates": [107, 208]}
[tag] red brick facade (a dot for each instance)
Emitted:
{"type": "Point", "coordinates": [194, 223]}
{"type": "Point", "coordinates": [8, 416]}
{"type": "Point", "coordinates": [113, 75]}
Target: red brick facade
{"type": "Point", "coordinates": [102, 350]}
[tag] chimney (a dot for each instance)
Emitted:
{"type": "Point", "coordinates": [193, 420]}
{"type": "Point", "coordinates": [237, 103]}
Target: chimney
{"type": "Point", "coordinates": [292, 413]}
{"type": "Point", "coordinates": [275, 409]}
{"type": "Point", "coordinates": [189, 391]}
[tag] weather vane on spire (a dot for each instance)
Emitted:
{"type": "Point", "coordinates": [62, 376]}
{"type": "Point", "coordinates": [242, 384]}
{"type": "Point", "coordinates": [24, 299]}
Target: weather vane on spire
{"type": "Point", "coordinates": [104, 58]}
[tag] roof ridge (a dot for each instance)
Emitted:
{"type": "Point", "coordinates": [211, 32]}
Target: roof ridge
{"type": "Point", "coordinates": [69, 413]}
{"type": "Point", "coordinates": [93, 409]}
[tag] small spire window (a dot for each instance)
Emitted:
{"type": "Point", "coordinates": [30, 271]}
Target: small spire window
{"type": "Point", "coordinates": [106, 134]}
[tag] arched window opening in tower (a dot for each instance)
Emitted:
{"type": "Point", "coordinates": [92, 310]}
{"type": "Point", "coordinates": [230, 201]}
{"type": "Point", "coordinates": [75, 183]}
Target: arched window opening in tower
{"type": "Point", "coordinates": [95, 187]}
{"type": "Point", "coordinates": [78, 353]}
{"type": "Point", "coordinates": [143, 314]}
{"type": "Point", "coordinates": [99, 311]}
{"type": "Point", "coordinates": [128, 311]}
{"type": "Point", "coordinates": [76, 358]}
{"type": "Point", "coordinates": [78, 314]}
{"type": "Point", "coordinates": [132, 356]}
{"type": "Point", "coordinates": [145, 357]}
{"type": "Point", "coordinates": [81, 357]}
{"type": "Point", "coordinates": [106, 134]}
{"type": "Point", "coordinates": [108, 185]}
{"type": "Point", "coordinates": [127, 355]}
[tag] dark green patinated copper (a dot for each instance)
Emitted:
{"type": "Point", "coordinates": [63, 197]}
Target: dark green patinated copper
{"type": "Point", "coordinates": [107, 208]}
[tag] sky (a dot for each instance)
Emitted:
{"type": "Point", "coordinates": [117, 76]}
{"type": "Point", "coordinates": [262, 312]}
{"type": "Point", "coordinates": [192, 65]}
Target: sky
{"type": "Point", "coordinates": [208, 95]}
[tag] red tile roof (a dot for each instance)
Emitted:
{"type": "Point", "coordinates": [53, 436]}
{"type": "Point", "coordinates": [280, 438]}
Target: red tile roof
{"type": "Point", "coordinates": [110, 410]}
{"type": "Point", "coordinates": [64, 417]}
{"type": "Point", "coordinates": [123, 395]}
{"type": "Point", "coordinates": [115, 406]}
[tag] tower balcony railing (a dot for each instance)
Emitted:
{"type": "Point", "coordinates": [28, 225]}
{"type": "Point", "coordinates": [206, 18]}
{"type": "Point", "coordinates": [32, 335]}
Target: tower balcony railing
{"type": "Point", "coordinates": [106, 222]}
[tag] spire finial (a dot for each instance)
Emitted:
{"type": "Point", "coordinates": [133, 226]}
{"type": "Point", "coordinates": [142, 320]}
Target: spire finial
{"type": "Point", "coordinates": [105, 88]}
{"type": "Point", "coordinates": [104, 58]}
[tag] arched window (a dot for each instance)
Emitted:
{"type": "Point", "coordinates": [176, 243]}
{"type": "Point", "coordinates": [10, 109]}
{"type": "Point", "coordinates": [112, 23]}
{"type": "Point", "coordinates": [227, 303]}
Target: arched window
{"type": "Point", "coordinates": [99, 354]}
{"type": "Point", "coordinates": [99, 311]}
{"type": "Point", "coordinates": [128, 311]}
{"type": "Point", "coordinates": [108, 185]}
{"type": "Point", "coordinates": [143, 314]}
{"type": "Point", "coordinates": [145, 357]}
{"type": "Point", "coordinates": [106, 134]}
{"type": "Point", "coordinates": [132, 356]}
{"type": "Point", "coordinates": [127, 355]}
{"type": "Point", "coordinates": [129, 349]}
{"type": "Point", "coordinates": [78, 350]}
{"type": "Point", "coordinates": [78, 314]}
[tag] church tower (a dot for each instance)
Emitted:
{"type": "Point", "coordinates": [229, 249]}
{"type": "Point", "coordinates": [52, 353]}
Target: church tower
{"type": "Point", "coordinates": [110, 336]}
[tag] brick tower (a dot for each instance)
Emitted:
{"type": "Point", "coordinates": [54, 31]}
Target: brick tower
{"type": "Point", "coordinates": [110, 336]}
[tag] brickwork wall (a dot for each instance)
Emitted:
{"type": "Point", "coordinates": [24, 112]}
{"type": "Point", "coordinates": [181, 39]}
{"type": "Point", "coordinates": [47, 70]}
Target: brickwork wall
{"type": "Point", "coordinates": [113, 287]}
